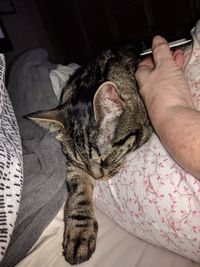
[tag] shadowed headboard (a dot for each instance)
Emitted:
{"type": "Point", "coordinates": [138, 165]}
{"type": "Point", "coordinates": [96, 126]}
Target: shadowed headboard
{"type": "Point", "coordinates": [78, 28]}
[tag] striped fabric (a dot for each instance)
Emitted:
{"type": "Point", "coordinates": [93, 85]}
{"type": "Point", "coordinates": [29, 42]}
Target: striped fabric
{"type": "Point", "coordinates": [11, 171]}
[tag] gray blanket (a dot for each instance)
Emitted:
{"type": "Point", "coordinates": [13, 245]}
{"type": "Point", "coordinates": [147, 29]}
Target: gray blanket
{"type": "Point", "coordinates": [44, 190]}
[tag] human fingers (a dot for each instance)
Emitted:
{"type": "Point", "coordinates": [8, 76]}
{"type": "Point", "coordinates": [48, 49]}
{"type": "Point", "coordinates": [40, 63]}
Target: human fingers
{"type": "Point", "coordinates": [160, 49]}
{"type": "Point", "coordinates": [146, 62]}
{"type": "Point", "coordinates": [178, 57]}
{"type": "Point", "coordinates": [144, 67]}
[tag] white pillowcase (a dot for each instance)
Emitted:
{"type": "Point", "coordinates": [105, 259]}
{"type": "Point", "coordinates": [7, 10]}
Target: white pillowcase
{"type": "Point", "coordinates": [152, 197]}
{"type": "Point", "coordinates": [11, 167]}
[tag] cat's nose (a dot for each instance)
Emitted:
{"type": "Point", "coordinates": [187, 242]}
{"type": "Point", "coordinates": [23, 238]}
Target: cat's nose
{"type": "Point", "coordinates": [96, 171]}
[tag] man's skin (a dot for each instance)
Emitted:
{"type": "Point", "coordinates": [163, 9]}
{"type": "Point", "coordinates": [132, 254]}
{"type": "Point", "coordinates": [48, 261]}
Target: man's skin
{"type": "Point", "coordinates": [169, 103]}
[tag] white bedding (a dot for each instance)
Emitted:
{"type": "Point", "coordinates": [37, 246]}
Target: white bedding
{"type": "Point", "coordinates": [11, 166]}
{"type": "Point", "coordinates": [152, 197]}
{"type": "Point", "coordinates": [115, 248]}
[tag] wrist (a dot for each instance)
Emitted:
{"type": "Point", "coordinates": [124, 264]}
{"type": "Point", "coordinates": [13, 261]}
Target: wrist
{"type": "Point", "coordinates": [179, 132]}
{"type": "Point", "coordinates": [166, 116]}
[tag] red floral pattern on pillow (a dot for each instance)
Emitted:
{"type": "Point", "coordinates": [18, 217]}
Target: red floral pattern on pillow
{"type": "Point", "coordinates": [152, 197]}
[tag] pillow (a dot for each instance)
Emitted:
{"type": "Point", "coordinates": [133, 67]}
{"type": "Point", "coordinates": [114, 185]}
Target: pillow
{"type": "Point", "coordinates": [11, 171]}
{"type": "Point", "coordinates": [152, 197]}
{"type": "Point", "coordinates": [60, 76]}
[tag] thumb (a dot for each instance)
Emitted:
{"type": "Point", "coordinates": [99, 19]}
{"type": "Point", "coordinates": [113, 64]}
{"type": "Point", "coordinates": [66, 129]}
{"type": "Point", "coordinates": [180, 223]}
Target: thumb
{"type": "Point", "coordinates": [160, 49]}
{"type": "Point", "coordinates": [178, 57]}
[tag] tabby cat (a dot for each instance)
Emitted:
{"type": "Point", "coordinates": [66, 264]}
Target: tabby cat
{"type": "Point", "coordinates": [100, 119]}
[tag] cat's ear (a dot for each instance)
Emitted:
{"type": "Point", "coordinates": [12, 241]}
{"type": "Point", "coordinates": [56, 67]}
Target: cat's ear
{"type": "Point", "coordinates": [52, 120]}
{"type": "Point", "coordinates": [107, 101]}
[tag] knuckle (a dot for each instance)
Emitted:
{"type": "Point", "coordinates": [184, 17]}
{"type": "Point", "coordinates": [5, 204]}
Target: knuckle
{"type": "Point", "coordinates": [160, 47]}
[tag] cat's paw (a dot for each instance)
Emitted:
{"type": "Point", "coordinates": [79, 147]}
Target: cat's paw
{"type": "Point", "coordinates": [80, 241]}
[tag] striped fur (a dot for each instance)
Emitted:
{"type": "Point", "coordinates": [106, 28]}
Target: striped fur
{"type": "Point", "coordinates": [100, 119]}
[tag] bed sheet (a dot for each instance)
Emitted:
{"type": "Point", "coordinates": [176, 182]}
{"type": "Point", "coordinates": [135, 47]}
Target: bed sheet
{"type": "Point", "coordinates": [115, 248]}
{"type": "Point", "coordinates": [11, 165]}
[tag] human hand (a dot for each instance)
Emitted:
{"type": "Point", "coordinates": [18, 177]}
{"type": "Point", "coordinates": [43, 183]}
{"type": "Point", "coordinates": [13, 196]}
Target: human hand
{"type": "Point", "coordinates": [161, 82]}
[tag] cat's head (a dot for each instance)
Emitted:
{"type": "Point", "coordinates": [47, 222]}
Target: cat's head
{"type": "Point", "coordinates": [97, 135]}
{"type": "Point", "coordinates": [101, 116]}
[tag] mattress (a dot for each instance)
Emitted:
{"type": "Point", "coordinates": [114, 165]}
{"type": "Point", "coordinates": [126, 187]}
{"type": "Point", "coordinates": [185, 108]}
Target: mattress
{"type": "Point", "coordinates": [115, 248]}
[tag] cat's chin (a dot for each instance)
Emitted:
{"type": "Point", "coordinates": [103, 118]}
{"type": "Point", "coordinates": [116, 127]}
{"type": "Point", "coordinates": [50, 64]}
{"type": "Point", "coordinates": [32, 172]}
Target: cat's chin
{"type": "Point", "coordinates": [105, 175]}
{"type": "Point", "coordinates": [98, 174]}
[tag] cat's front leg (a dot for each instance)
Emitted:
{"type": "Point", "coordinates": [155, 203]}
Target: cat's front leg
{"type": "Point", "coordinates": [80, 223]}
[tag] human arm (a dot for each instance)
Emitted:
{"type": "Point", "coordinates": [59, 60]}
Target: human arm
{"type": "Point", "coordinates": [168, 100]}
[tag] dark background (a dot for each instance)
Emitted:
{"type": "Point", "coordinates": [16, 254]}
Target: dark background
{"type": "Point", "coordinates": [73, 30]}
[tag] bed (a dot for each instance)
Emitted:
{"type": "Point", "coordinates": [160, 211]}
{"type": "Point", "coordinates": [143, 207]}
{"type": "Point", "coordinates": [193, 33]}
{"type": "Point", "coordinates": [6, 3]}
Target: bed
{"type": "Point", "coordinates": [148, 213]}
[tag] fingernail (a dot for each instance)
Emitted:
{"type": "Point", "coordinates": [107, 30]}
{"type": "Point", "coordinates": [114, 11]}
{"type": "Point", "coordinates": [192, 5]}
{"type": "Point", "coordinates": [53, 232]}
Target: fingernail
{"type": "Point", "coordinates": [157, 40]}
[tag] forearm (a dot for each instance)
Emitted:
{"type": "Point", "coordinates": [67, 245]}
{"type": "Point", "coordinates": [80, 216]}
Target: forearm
{"type": "Point", "coordinates": [179, 131]}
{"type": "Point", "coordinates": [169, 103]}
